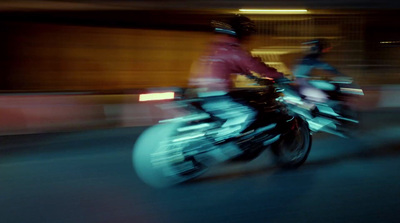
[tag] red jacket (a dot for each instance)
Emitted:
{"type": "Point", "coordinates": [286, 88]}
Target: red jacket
{"type": "Point", "coordinates": [223, 58]}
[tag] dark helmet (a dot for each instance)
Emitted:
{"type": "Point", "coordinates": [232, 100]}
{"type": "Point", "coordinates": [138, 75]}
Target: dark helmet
{"type": "Point", "coordinates": [317, 46]}
{"type": "Point", "coordinates": [237, 26]}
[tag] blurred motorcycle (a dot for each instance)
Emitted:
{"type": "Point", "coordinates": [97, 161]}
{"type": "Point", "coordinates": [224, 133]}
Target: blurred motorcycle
{"type": "Point", "coordinates": [182, 148]}
{"type": "Point", "coordinates": [338, 115]}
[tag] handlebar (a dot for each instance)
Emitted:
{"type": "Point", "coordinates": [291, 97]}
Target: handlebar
{"type": "Point", "coordinates": [338, 79]}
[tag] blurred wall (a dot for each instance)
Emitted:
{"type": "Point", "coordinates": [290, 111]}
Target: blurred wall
{"type": "Point", "coordinates": [62, 57]}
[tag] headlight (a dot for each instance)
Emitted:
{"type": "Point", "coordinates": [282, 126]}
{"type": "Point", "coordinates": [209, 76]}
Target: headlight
{"type": "Point", "coordinates": [352, 91]}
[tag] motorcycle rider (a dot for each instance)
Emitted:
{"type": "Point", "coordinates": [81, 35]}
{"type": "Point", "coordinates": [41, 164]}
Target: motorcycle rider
{"type": "Point", "coordinates": [211, 74]}
{"type": "Point", "coordinates": [311, 89]}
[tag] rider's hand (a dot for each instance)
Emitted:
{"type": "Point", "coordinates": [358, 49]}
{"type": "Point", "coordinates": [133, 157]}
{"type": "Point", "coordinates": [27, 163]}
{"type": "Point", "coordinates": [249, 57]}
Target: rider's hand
{"type": "Point", "coordinates": [267, 78]}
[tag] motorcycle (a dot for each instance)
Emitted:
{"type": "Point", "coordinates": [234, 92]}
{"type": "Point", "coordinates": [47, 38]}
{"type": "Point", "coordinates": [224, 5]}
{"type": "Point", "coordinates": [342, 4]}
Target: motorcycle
{"type": "Point", "coordinates": [179, 149]}
{"type": "Point", "coordinates": [336, 116]}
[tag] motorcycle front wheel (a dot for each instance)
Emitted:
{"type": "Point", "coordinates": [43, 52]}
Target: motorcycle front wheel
{"type": "Point", "coordinates": [159, 164]}
{"type": "Point", "coordinates": [292, 150]}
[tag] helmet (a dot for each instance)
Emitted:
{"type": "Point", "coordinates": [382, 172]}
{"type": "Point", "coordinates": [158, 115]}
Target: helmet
{"type": "Point", "coordinates": [317, 46]}
{"type": "Point", "coordinates": [237, 26]}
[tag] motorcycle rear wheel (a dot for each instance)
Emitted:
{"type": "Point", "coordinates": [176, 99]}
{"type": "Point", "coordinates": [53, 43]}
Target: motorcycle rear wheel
{"type": "Point", "coordinates": [292, 150]}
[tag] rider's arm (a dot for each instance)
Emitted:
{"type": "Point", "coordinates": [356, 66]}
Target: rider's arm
{"type": "Point", "coordinates": [248, 65]}
{"type": "Point", "coordinates": [325, 66]}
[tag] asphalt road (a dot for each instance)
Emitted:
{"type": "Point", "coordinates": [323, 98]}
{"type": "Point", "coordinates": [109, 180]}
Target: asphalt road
{"type": "Point", "coordinates": [87, 177]}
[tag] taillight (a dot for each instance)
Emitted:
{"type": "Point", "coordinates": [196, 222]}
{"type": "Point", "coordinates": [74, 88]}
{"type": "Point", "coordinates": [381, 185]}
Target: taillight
{"type": "Point", "coordinates": [157, 96]}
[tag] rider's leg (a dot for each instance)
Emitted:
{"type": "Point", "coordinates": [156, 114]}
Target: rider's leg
{"type": "Point", "coordinates": [237, 116]}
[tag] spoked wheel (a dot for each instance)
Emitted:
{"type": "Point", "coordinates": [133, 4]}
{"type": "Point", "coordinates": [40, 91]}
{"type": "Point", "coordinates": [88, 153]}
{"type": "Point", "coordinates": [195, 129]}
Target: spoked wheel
{"type": "Point", "coordinates": [292, 150]}
{"type": "Point", "coordinates": [160, 163]}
